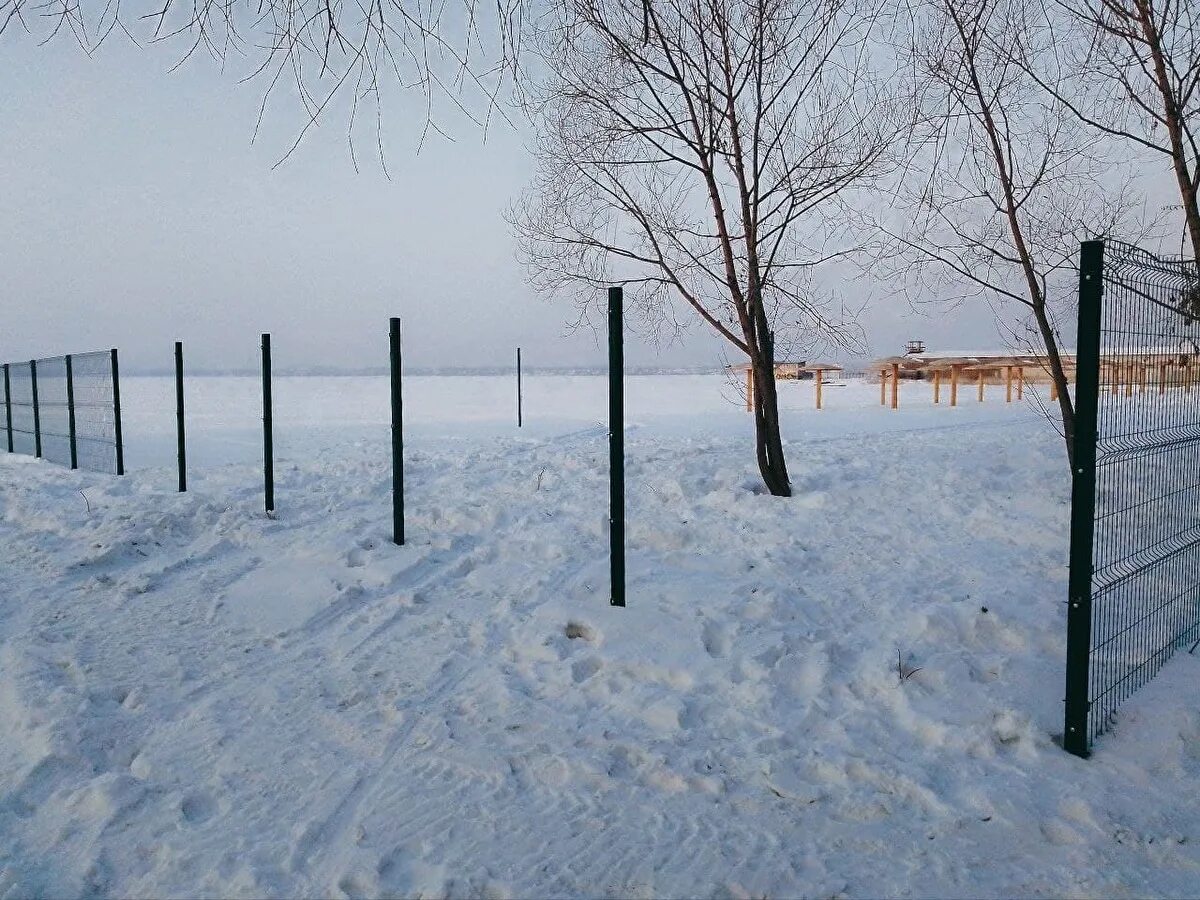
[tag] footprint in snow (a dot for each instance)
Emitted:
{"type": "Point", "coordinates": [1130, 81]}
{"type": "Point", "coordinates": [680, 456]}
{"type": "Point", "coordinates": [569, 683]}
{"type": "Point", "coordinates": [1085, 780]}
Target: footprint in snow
{"type": "Point", "coordinates": [585, 668]}
{"type": "Point", "coordinates": [353, 887]}
{"type": "Point", "coordinates": [197, 808]}
{"type": "Point", "coordinates": [576, 631]}
{"type": "Point", "coordinates": [357, 556]}
{"type": "Point", "coordinates": [716, 639]}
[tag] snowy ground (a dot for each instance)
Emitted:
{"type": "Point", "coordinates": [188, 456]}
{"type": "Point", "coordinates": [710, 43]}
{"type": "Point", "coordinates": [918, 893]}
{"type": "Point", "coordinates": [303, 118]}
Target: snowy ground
{"type": "Point", "coordinates": [197, 700]}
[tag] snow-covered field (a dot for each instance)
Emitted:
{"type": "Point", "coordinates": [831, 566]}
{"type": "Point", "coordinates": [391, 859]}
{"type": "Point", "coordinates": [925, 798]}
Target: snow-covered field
{"type": "Point", "coordinates": [199, 701]}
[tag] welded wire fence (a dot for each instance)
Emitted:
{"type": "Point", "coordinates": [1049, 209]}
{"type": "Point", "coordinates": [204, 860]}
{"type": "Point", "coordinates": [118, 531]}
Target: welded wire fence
{"type": "Point", "coordinates": [1135, 531]}
{"type": "Point", "coordinates": [65, 409]}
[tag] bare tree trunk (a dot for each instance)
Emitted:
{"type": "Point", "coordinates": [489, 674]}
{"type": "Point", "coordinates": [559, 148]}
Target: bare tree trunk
{"type": "Point", "coordinates": [1066, 406]}
{"type": "Point", "coordinates": [768, 441]}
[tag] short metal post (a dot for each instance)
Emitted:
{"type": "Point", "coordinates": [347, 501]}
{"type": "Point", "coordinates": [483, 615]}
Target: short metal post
{"type": "Point", "coordinates": [268, 436]}
{"type": "Point", "coordinates": [37, 413]}
{"type": "Point", "coordinates": [120, 441]}
{"type": "Point", "coordinates": [1076, 732]}
{"type": "Point", "coordinates": [8, 408]}
{"type": "Point", "coordinates": [616, 443]}
{"type": "Point", "coordinates": [71, 413]}
{"type": "Point", "coordinates": [520, 417]}
{"type": "Point", "coordinates": [179, 422]}
{"type": "Point", "coordinates": [397, 433]}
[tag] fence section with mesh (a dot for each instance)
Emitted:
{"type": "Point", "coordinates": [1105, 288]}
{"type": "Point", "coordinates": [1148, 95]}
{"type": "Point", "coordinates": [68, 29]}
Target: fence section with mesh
{"type": "Point", "coordinates": [1135, 531]}
{"type": "Point", "coordinates": [65, 409]}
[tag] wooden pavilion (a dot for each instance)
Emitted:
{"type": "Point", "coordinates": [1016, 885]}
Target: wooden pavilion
{"type": "Point", "coordinates": [790, 371]}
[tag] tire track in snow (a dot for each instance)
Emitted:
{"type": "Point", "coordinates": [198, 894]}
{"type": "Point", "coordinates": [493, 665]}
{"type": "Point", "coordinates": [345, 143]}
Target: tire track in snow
{"type": "Point", "coordinates": [300, 643]}
{"type": "Point", "coordinates": [328, 834]}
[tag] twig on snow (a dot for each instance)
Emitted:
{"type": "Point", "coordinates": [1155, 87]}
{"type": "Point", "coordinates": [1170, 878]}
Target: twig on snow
{"type": "Point", "coordinates": [901, 671]}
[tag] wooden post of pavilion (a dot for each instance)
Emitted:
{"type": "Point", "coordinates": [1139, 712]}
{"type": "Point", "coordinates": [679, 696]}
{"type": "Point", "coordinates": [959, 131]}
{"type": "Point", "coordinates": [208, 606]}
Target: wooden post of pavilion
{"type": "Point", "coordinates": [895, 385]}
{"type": "Point", "coordinates": [820, 376]}
{"type": "Point", "coordinates": [979, 375]}
{"type": "Point", "coordinates": [1008, 384]}
{"type": "Point", "coordinates": [954, 385]}
{"type": "Point", "coordinates": [937, 386]}
{"type": "Point", "coordinates": [883, 387]}
{"type": "Point", "coordinates": [1020, 382]}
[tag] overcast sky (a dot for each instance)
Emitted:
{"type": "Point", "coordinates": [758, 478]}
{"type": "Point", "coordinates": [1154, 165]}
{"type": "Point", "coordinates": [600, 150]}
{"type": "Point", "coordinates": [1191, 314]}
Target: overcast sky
{"type": "Point", "coordinates": [136, 209]}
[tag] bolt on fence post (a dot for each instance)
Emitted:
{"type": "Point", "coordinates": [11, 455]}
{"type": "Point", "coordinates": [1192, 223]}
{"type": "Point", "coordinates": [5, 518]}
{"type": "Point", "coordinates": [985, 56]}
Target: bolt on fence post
{"type": "Point", "coordinates": [179, 428]}
{"type": "Point", "coordinates": [116, 385]}
{"type": "Point", "coordinates": [616, 444]}
{"type": "Point", "coordinates": [1076, 732]}
{"type": "Point", "coordinates": [37, 414]}
{"type": "Point", "coordinates": [268, 437]}
{"type": "Point", "coordinates": [520, 417]}
{"type": "Point", "coordinates": [71, 413]}
{"type": "Point", "coordinates": [8, 408]}
{"type": "Point", "coordinates": [397, 433]}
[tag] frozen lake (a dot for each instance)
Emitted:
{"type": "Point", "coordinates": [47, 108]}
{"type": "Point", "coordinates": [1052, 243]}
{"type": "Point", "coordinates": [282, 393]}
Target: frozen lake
{"type": "Point", "coordinates": [312, 412]}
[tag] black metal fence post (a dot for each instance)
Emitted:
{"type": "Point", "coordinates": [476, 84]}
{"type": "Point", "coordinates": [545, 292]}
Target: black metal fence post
{"type": "Point", "coordinates": [616, 443]}
{"type": "Point", "coordinates": [37, 414]}
{"type": "Point", "coordinates": [71, 413]}
{"type": "Point", "coordinates": [8, 408]}
{"type": "Point", "coordinates": [520, 416]}
{"type": "Point", "coordinates": [1076, 734]}
{"type": "Point", "coordinates": [179, 427]}
{"type": "Point", "coordinates": [397, 433]}
{"type": "Point", "coordinates": [268, 436]}
{"type": "Point", "coordinates": [116, 392]}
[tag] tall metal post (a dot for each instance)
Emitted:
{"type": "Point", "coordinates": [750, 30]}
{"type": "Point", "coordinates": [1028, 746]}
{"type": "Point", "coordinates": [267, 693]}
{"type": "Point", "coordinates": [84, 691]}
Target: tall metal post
{"type": "Point", "coordinates": [1076, 733]}
{"type": "Point", "coordinates": [397, 434]}
{"type": "Point", "coordinates": [268, 427]}
{"type": "Point", "coordinates": [616, 444]}
{"type": "Point", "coordinates": [8, 408]}
{"type": "Point", "coordinates": [520, 417]}
{"type": "Point", "coordinates": [120, 440]}
{"type": "Point", "coordinates": [179, 426]}
{"type": "Point", "coordinates": [71, 413]}
{"type": "Point", "coordinates": [37, 413]}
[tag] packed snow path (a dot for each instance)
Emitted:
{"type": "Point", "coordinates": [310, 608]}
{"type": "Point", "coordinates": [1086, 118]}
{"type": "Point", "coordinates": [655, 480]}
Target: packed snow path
{"type": "Point", "coordinates": [199, 701]}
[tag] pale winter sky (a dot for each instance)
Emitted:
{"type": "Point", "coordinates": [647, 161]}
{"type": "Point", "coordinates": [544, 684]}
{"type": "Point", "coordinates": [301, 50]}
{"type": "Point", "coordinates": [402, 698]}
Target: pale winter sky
{"type": "Point", "coordinates": [136, 210]}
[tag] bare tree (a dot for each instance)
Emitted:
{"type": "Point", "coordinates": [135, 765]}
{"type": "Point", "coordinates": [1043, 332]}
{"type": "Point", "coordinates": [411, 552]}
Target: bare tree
{"type": "Point", "coordinates": [317, 50]}
{"type": "Point", "coordinates": [1004, 184]}
{"type": "Point", "coordinates": [698, 149]}
{"type": "Point", "coordinates": [1135, 67]}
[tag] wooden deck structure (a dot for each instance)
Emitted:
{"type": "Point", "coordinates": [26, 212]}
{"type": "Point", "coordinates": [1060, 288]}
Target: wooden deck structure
{"type": "Point", "coordinates": [1123, 372]}
{"type": "Point", "coordinates": [1014, 372]}
{"type": "Point", "coordinates": [790, 371]}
